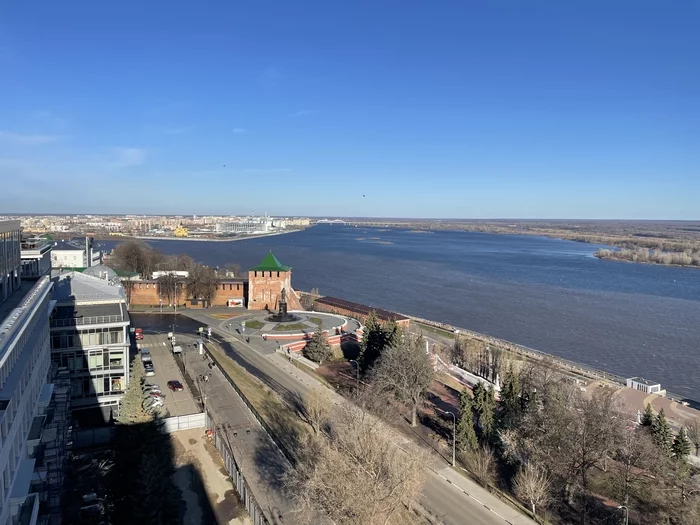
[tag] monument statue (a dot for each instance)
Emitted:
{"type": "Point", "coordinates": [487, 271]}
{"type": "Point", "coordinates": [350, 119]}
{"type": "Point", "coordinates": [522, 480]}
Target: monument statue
{"type": "Point", "coordinates": [282, 316]}
{"type": "Point", "coordinates": [284, 296]}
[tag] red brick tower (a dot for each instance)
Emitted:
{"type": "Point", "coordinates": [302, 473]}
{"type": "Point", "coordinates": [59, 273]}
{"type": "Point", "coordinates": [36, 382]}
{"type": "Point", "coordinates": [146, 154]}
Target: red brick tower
{"type": "Point", "coordinates": [265, 284]}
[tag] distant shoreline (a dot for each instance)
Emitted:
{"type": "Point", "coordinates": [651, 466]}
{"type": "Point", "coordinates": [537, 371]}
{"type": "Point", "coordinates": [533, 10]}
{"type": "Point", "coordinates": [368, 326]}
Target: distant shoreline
{"type": "Point", "coordinates": [144, 238]}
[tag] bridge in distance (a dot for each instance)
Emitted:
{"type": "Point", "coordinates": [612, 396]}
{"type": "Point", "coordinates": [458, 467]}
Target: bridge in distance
{"type": "Point", "coordinates": [356, 223]}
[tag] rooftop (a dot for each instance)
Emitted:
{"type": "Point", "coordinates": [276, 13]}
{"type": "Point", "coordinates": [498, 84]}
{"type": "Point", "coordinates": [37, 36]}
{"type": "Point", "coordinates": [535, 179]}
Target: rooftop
{"type": "Point", "coordinates": [72, 287]}
{"type": "Point", "coordinates": [270, 264]}
{"type": "Point", "coordinates": [362, 309]}
{"type": "Point", "coordinates": [643, 381]}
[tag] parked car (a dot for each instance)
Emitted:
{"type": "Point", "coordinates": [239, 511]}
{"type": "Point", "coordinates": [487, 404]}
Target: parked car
{"type": "Point", "coordinates": [146, 357]}
{"type": "Point", "coordinates": [150, 385]}
{"type": "Point", "coordinates": [153, 403]}
{"type": "Point", "coordinates": [150, 371]}
{"type": "Point", "coordinates": [152, 389]}
{"type": "Point", "coordinates": [138, 334]}
{"type": "Point", "coordinates": [175, 386]}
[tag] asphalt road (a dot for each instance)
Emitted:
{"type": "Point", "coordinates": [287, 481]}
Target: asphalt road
{"type": "Point", "coordinates": [443, 499]}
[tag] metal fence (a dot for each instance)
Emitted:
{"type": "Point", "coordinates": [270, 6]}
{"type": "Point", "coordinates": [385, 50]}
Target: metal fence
{"type": "Point", "coordinates": [236, 474]}
{"type": "Point", "coordinates": [98, 319]}
{"type": "Point", "coordinates": [173, 424]}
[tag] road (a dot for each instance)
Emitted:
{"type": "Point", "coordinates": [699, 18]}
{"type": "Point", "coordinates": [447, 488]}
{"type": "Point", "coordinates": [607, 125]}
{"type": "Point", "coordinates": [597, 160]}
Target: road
{"type": "Point", "coordinates": [446, 500]}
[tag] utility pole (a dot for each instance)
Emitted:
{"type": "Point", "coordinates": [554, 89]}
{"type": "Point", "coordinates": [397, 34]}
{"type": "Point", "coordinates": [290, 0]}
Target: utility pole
{"type": "Point", "coordinates": [357, 381]}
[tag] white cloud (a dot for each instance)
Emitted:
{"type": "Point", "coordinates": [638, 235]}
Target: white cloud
{"type": "Point", "coordinates": [238, 131]}
{"type": "Point", "coordinates": [301, 113]}
{"type": "Point", "coordinates": [129, 157]}
{"type": "Point", "coordinates": [27, 140]}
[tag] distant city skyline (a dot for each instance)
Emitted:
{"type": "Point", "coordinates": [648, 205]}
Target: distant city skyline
{"type": "Point", "coordinates": [462, 109]}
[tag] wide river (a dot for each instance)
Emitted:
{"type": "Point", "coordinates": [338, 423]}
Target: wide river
{"type": "Point", "coordinates": [548, 294]}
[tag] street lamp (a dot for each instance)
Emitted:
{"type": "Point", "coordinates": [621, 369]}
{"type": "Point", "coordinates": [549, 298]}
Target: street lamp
{"type": "Point", "coordinates": [454, 433]}
{"type": "Point", "coordinates": [627, 513]}
{"type": "Point", "coordinates": [357, 367]}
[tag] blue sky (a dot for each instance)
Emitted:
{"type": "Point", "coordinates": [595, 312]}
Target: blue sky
{"type": "Point", "coordinates": [587, 109]}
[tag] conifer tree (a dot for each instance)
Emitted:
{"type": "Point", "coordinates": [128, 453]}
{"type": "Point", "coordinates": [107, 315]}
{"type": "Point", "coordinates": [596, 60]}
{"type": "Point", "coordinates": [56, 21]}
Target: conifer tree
{"type": "Point", "coordinates": [466, 435]}
{"type": "Point", "coordinates": [510, 398]}
{"type": "Point", "coordinates": [661, 432]}
{"type": "Point", "coordinates": [131, 409]}
{"type": "Point", "coordinates": [681, 445]}
{"type": "Point", "coordinates": [648, 417]}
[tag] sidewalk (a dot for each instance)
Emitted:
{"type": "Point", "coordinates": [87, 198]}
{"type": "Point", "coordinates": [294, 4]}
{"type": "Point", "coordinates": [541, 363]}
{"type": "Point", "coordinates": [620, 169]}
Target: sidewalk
{"type": "Point", "coordinates": [261, 461]}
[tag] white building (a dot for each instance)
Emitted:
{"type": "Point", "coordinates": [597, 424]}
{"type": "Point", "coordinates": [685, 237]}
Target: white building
{"type": "Point", "coordinates": [76, 254]}
{"type": "Point", "coordinates": [25, 358]}
{"type": "Point", "coordinates": [247, 226]}
{"type": "Point", "coordinates": [646, 386]}
{"type": "Point", "coordinates": [36, 257]}
{"type": "Point", "coordinates": [89, 336]}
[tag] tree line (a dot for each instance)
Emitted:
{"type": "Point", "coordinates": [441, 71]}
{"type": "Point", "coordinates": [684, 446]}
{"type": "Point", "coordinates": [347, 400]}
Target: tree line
{"type": "Point", "coordinates": [200, 283]}
{"type": "Point", "coordinates": [565, 453]}
{"type": "Point", "coordinates": [688, 257]}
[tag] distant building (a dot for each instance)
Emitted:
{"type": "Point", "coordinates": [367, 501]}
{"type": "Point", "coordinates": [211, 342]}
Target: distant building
{"type": "Point", "coordinates": [36, 257]}
{"type": "Point", "coordinates": [90, 336]}
{"type": "Point", "coordinates": [181, 231]}
{"type": "Point", "coordinates": [246, 226]}
{"type": "Point", "coordinates": [76, 254]}
{"type": "Point", "coordinates": [646, 386]}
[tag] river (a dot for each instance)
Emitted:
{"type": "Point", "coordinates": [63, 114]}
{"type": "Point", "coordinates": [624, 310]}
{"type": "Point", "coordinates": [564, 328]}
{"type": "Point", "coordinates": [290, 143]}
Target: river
{"type": "Point", "coordinates": [548, 294]}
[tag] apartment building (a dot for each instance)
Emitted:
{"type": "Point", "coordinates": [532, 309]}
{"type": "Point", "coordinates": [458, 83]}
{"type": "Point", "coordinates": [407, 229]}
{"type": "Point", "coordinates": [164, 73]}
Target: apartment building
{"type": "Point", "coordinates": [90, 336]}
{"type": "Point", "coordinates": [36, 257]}
{"type": "Point", "coordinates": [25, 358]}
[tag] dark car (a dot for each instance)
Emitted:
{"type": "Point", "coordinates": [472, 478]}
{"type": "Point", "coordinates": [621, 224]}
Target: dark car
{"type": "Point", "coordinates": [175, 386]}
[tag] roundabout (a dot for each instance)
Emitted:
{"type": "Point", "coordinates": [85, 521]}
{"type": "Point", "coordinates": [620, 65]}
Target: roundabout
{"type": "Point", "coordinates": [297, 325]}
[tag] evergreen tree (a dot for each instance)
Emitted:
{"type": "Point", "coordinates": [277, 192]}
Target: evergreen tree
{"type": "Point", "coordinates": [648, 417]}
{"type": "Point", "coordinates": [661, 431]}
{"type": "Point", "coordinates": [376, 339]}
{"type": "Point", "coordinates": [487, 416]}
{"type": "Point", "coordinates": [511, 404]}
{"type": "Point", "coordinates": [131, 409]}
{"type": "Point", "coordinates": [318, 349]}
{"type": "Point", "coordinates": [466, 436]}
{"type": "Point", "coordinates": [681, 445]}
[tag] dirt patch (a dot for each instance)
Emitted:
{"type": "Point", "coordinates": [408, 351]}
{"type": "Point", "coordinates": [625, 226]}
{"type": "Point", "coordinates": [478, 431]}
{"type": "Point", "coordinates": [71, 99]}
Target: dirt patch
{"type": "Point", "coordinates": [193, 441]}
{"type": "Point", "coordinates": [224, 316]}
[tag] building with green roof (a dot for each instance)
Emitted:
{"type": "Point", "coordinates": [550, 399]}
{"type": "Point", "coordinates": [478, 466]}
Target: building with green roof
{"type": "Point", "coordinates": [266, 282]}
{"type": "Point", "coordinates": [271, 264]}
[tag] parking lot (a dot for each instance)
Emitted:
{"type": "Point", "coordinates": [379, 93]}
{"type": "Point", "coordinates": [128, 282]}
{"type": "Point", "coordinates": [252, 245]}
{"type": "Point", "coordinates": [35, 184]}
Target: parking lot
{"type": "Point", "coordinates": [176, 403]}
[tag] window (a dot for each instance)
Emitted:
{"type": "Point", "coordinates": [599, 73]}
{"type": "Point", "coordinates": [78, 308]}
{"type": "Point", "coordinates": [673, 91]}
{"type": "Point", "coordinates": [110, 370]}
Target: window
{"type": "Point", "coordinates": [106, 384]}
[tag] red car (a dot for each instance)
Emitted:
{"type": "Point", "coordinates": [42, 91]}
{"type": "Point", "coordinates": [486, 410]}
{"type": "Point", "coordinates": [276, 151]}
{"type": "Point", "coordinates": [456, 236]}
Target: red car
{"type": "Point", "coordinates": [175, 386]}
{"type": "Point", "coordinates": [138, 334]}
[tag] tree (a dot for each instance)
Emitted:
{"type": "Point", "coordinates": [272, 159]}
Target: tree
{"type": "Point", "coordinates": [510, 398]}
{"type": "Point", "coordinates": [202, 283]}
{"type": "Point", "coordinates": [635, 454]}
{"type": "Point", "coordinates": [466, 436]}
{"type": "Point", "coordinates": [648, 417]}
{"type": "Point", "coordinates": [137, 257]}
{"type": "Point", "coordinates": [482, 464]}
{"type": "Point", "coordinates": [661, 431]}
{"type": "Point", "coordinates": [354, 473]}
{"type": "Point", "coordinates": [231, 269]}
{"type": "Point", "coordinates": [405, 371]}
{"type": "Point", "coordinates": [681, 445]}
{"type": "Point", "coordinates": [167, 288]}
{"type": "Point", "coordinates": [532, 485]}
{"type": "Point", "coordinates": [376, 338]}
{"type": "Point", "coordinates": [131, 410]}
{"type": "Point", "coordinates": [315, 409]}
{"type": "Point", "coordinates": [318, 349]}
{"type": "Point", "coordinates": [484, 407]}
{"type": "Point", "coordinates": [694, 433]}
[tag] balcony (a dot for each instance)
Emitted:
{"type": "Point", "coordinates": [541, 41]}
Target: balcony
{"type": "Point", "coordinates": [78, 321]}
{"type": "Point", "coordinates": [27, 512]}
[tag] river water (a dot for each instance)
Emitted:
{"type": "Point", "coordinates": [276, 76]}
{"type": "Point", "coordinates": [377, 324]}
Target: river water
{"type": "Point", "coordinates": [548, 294]}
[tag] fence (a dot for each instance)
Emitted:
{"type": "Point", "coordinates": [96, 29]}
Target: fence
{"type": "Point", "coordinates": [236, 474]}
{"type": "Point", "coordinates": [173, 424]}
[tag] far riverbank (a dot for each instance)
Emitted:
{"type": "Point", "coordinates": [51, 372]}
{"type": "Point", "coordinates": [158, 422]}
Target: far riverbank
{"type": "Point", "coordinates": [206, 239]}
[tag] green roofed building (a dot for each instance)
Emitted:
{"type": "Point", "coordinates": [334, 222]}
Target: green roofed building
{"type": "Point", "coordinates": [271, 264]}
{"type": "Point", "coordinates": [266, 282]}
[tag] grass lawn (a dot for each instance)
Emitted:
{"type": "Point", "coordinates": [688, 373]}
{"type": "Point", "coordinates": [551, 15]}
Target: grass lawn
{"type": "Point", "coordinates": [317, 321]}
{"type": "Point", "coordinates": [254, 324]}
{"type": "Point", "coordinates": [433, 330]}
{"type": "Point", "coordinates": [286, 425]}
{"type": "Point", "coordinates": [288, 327]}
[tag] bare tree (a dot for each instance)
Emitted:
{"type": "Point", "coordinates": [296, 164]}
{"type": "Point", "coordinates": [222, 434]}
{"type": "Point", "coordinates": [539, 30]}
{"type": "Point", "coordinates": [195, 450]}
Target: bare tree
{"type": "Point", "coordinates": [315, 410]}
{"type": "Point", "coordinates": [693, 430]}
{"type": "Point", "coordinates": [202, 283]}
{"type": "Point", "coordinates": [405, 371]}
{"type": "Point", "coordinates": [167, 287]}
{"type": "Point", "coordinates": [637, 456]}
{"type": "Point", "coordinates": [532, 484]}
{"type": "Point", "coordinates": [482, 464]}
{"type": "Point", "coordinates": [354, 473]}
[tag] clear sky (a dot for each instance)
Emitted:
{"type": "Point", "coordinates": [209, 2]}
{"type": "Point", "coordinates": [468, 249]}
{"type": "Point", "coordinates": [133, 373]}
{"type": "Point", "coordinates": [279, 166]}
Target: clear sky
{"type": "Point", "coordinates": [499, 108]}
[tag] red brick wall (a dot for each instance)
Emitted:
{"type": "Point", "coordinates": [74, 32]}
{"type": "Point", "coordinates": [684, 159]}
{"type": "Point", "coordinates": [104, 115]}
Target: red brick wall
{"type": "Point", "coordinates": [265, 288]}
{"type": "Point", "coordinates": [320, 307]}
{"type": "Point", "coordinates": [145, 293]}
